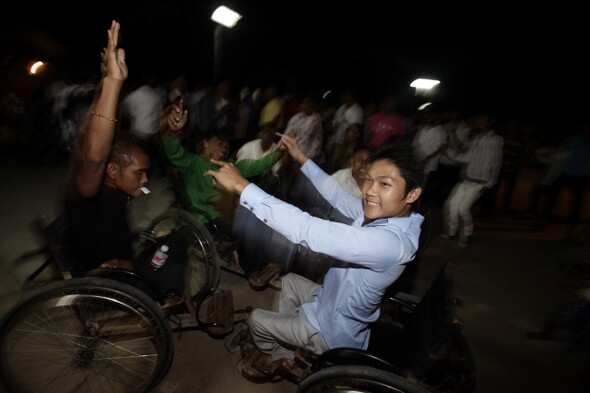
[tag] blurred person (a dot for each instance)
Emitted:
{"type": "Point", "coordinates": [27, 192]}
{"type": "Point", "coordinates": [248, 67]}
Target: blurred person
{"type": "Point", "coordinates": [353, 138]}
{"type": "Point", "coordinates": [244, 114]}
{"type": "Point", "coordinates": [306, 126]}
{"type": "Point", "coordinates": [553, 158]}
{"type": "Point", "coordinates": [176, 89]}
{"type": "Point", "coordinates": [429, 142]}
{"type": "Point", "coordinates": [574, 174]}
{"type": "Point", "coordinates": [481, 166]}
{"type": "Point", "coordinates": [449, 170]}
{"type": "Point", "coordinates": [258, 148]}
{"type": "Point", "coordinates": [273, 109]}
{"type": "Point", "coordinates": [353, 177]}
{"type": "Point", "coordinates": [211, 203]}
{"type": "Point", "coordinates": [144, 106]}
{"type": "Point", "coordinates": [384, 124]}
{"type": "Point", "coordinates": [349, 112]}
{"type": "Point", "coordinates": [382, 239]}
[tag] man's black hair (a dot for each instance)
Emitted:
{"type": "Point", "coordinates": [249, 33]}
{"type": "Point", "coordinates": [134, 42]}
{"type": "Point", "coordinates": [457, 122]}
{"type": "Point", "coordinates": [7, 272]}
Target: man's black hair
{"type": "Point", "coordinates": [121, 152]}
{"type": "Point", "coordinates": [401, 154]}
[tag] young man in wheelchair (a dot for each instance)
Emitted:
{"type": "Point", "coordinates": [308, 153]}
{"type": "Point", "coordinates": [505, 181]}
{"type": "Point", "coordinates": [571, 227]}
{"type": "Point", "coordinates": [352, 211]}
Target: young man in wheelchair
{"type": "Point", "coordinates": [212, 205]}
{"type": "Point", "coordinates": [375, 247]}
{"type": "Point", "coordinates": [106, 172]}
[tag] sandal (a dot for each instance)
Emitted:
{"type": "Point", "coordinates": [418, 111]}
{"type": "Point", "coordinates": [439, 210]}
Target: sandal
{"type": "Point", "coordinates": [260, 279]}
{"type": "Point", "coordinates": [256, 365]}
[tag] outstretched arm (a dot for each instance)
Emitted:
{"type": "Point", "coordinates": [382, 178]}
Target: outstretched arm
{"type": "Point", "coordinates": [289, 143]}
{"type": "Point", "coordinates": [100, 131]}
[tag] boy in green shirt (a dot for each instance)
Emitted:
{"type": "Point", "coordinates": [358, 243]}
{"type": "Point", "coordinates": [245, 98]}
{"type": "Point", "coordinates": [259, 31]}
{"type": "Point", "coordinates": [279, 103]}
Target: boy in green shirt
{"type": "Point", "coordinates": [212, 204]}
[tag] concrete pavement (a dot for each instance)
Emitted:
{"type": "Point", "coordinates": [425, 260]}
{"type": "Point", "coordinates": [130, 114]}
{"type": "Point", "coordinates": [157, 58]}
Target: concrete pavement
{"type": "Point", "coordinates": [500, 278]}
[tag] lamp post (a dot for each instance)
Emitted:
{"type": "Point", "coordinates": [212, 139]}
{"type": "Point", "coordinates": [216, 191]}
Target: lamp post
{"type": "Point", "coordinates": [224, 17]}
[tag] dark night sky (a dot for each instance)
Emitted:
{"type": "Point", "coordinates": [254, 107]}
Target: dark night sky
{"type": "Point", "coordinates": [511, 60]}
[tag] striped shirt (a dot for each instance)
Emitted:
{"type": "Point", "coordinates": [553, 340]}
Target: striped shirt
{"type": "Point", "coordinates": [483, 160]}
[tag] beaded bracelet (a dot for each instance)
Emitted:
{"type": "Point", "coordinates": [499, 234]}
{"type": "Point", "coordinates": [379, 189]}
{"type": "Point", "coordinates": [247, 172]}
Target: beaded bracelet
{"type": "Point", "coordinates": [103, 116]}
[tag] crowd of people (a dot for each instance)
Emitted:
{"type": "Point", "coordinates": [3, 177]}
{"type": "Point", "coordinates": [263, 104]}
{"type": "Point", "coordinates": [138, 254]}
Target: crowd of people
{"type": "Point", "coordinates": [264, 151]}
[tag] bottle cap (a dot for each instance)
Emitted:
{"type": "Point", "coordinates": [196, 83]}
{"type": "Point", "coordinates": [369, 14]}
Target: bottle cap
{"type": "Point", "coordinates": [164, 248]}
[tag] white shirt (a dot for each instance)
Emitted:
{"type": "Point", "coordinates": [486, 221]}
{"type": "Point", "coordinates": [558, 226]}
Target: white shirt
{"type": "Point", "coordinates": [426, 141]}
{"type": "Point", "coordinates": [344, 177]}
{"type": "Point", "coordinates": [343, 118]}
{"type": "Point", "coordinates": [253, 151]}
{"type": "Point", "coordinates": [144, 106]}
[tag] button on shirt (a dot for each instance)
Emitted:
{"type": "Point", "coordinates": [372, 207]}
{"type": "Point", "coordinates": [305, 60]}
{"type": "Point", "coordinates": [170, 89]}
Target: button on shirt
{"type": "Point", "coordinates": [348, 301]}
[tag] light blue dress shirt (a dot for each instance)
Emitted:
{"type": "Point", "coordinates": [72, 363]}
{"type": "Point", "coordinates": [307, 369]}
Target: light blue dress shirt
{"type": "Point", "coordinates": [348, 301]}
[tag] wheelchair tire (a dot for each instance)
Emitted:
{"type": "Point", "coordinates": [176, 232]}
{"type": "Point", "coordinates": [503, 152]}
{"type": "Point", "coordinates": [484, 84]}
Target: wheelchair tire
{"type": "Point", "coordinates": [85, 335]}
{"type": "Point", "coordinates": [352, 378]}
{"type": "Point", "coordinates": [203, 264]}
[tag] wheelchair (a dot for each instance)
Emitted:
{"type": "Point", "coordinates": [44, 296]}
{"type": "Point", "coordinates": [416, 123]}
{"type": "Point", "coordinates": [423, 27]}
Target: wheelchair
{"type": "Point", "coordinates": [112, 329]}
{"type": "Point", "coordinates": [417, 345]}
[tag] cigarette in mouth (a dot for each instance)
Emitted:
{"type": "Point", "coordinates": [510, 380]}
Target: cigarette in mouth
{"type": "Point", "coordinates": [145, 190]}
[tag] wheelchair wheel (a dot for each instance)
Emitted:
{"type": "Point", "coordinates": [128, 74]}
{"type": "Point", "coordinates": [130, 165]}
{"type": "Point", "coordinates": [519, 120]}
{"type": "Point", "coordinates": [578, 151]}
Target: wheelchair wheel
{"type": "Point", "coordinates": [85, 335]}
{"type": "Point", "coordinates": [202, 270]}
{"type": "Point", "coordinates": [348, 379]}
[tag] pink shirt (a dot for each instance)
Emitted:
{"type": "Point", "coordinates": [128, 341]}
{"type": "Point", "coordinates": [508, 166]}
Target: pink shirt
{"type": "Point", "coordinates": [383, 126]}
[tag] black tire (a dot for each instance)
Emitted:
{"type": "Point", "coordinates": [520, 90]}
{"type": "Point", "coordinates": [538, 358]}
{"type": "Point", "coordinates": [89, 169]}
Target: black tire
{"type": "Point", "coordinates": [85, 335]}
{"type": "Point", "coordinates": [203, 265]}
{"type": "Point", "coordinates": [357, 379]}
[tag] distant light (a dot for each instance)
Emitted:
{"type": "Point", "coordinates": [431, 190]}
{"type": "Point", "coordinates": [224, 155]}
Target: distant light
{"type": "Point", "coordinates": [424, 106]}
{"type": "Point", "coordinates": [425, 84]}
{"type": "Point", "coordinates": [225, 16]}
{"type": "Point", "coordinates": [35, 67]}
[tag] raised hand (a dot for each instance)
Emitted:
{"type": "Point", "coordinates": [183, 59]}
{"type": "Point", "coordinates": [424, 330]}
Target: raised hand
{"type": "Point", "coordinates": [289, 143]}
{"type": "Point", "coordinates": [177, 117]}
{"type": "Point", "coordinates": [113, 58]}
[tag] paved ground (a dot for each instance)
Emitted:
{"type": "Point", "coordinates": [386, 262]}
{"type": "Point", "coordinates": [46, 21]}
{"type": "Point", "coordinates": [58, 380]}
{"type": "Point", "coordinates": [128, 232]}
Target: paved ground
{"type": "Point", "coordinates": [500, 278]}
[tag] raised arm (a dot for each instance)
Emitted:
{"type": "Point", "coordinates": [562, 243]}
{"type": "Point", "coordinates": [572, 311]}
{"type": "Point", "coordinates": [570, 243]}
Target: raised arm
{"type": "Point", "coordinates": [100, 130]}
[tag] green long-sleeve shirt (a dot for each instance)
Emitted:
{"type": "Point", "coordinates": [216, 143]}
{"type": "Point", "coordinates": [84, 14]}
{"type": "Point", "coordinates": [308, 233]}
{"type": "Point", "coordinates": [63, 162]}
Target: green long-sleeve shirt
{"type": "Point", "coordinates": [200, 191]}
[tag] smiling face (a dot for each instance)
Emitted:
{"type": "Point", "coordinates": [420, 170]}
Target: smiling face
{"type": "Point", "coordinates": [216, 148]}
{"type": "Point", "coordinates": [360, 159]}
{"type": "Point", "coordinates": [384, 192]}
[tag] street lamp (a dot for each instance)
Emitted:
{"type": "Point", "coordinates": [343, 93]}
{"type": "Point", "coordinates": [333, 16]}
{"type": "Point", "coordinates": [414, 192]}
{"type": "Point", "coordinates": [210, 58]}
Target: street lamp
{"type": "Point", "coordinates": [224, 17]}
{"type": "Point", "coordinates": [424, 84]}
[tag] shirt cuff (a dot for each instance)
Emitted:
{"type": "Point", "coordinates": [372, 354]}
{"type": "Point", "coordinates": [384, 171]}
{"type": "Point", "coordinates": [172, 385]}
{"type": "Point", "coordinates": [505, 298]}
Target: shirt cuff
{"type": "Point", "coordinates": [252, 196]}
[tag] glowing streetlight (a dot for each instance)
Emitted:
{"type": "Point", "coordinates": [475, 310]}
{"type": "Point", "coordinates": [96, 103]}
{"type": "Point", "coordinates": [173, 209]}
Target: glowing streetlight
{"type": "Point", "coordinates": [35, 67]}
{"type": "Point", "coordinates": [224, 17]}
{"type": "Point", "coordinates": [424, 84]}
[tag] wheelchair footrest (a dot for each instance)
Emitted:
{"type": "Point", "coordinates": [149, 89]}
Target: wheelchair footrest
{"type": "Point", "coordinates": [220, 313]}
{"type": "Point", "coordinates": [230, 262]}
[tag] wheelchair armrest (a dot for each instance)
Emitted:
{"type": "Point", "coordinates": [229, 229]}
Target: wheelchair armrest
{"type": "Point", "coordinates": [404, 299]}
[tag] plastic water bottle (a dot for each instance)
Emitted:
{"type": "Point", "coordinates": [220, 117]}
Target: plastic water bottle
{"type": "Point", "coordinates": [159, 258]}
